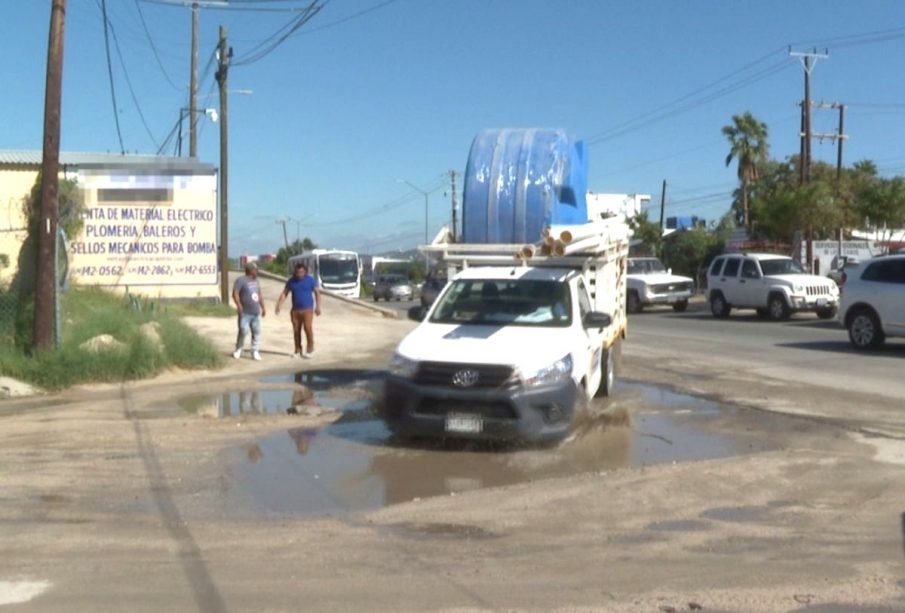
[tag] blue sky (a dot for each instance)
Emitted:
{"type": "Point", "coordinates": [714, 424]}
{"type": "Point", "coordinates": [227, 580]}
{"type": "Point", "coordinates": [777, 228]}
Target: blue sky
{"type": "Point", "coordinates": [369, 92]}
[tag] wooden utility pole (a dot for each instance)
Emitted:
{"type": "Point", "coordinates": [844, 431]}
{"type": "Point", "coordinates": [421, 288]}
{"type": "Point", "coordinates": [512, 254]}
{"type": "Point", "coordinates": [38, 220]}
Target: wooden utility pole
{"type": "Point", "coordinates": [224, 55]}
{"type": "Point", "coordinates": [193, 85]}
{"type": "Point", "coordinates": [455, 205]}
{"type": "Point", "coordinates": [48, 218]}
{"type": "Point", "coordinates": [805, 162]}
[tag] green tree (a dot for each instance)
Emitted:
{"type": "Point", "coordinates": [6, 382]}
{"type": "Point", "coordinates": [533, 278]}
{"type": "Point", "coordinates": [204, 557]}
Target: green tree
{"type": "Point", "coordinates": [70, 203]}
{"type": "Point", "coordinates": [688, 251]}
{"type": "Point", "coordinates": [649, 233]}
{"type": "Point", "coordinates": [278, 265]}
{"type": "Point", "coordinates": [881, 203]}
{"type": "Point", "coordinates": [747, 137]}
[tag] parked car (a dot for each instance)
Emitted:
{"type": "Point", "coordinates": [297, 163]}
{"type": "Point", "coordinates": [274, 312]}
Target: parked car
{"type": "Point", "coordinates": [773, 285]}
{"type": "Point", "coordinates": [873, 301]}
{"type": "Point", "coordinates": [431, 288]}
{"type": "Point", "coordinates": [649, 283]}
{"type": "Point", "coordinates": [841, 266]}
{"type": "Point", "coordinates": [393, 287]}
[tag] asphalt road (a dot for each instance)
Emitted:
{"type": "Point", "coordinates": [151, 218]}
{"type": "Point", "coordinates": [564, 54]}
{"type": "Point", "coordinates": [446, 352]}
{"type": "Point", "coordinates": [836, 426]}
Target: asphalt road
{"type": "Point", "coordinates": [800, 353]}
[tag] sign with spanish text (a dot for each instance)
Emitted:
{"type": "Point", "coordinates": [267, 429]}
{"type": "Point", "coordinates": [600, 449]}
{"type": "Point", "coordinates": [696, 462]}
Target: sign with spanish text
{"type": "Point", "coordinates": [153, 233]}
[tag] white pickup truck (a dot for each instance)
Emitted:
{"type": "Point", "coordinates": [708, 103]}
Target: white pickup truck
{"type": "Point", "coordinates": [512, 348]}
{"type": "Point", "coordinates": [649, 283]}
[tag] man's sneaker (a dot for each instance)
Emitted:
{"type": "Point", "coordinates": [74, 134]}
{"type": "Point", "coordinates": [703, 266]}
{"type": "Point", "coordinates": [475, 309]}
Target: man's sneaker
{"type": "Point", "coordinates": [309, 355]}
{"type": "Point", "coordinates": [237, 353]}
{"type": "Point", "coordinates": [255, 355]}
{"type": "Point", "coordinates": [297, 354]}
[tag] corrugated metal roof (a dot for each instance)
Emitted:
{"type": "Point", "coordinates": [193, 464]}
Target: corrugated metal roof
{"type": "Point", "coordinates": [13, 157]}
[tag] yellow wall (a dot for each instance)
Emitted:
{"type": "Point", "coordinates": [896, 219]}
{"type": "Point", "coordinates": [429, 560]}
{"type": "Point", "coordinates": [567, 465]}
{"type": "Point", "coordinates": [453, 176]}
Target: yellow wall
{"type": "Point", "coordinates": [15, 186]}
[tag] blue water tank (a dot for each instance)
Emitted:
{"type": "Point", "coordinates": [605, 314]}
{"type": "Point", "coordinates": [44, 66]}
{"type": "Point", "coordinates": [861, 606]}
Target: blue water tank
{"type": "Point", "coordinates": [519, 181]}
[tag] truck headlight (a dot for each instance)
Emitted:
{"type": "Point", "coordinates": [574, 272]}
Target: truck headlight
{"type": "Point", "coordinates": [555, 372]}
{"type": "Point", "coordinates": [402, 366]}
{"type": "Point", "coordinates": [797, 289]}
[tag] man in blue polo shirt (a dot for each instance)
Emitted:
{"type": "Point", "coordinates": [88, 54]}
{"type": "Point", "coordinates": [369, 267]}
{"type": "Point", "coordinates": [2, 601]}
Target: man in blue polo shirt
{"type": "Point", "coordinates": [306, 303]}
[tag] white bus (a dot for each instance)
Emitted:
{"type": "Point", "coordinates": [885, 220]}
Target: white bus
{"type": "Point", "coordinates": [336, 271]}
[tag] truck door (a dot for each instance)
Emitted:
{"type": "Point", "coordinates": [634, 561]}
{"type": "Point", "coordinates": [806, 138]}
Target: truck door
{"type": "Point", "coordinates": [593, 342]}
{"type": "Point", "coordinates": [729, 281]}
{"type": "Point", "coordinates": [751, 290]}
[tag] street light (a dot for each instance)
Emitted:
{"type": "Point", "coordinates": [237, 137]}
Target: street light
{"type": "Point", "coordinates": [211, 113]}
{"type": "Point", "coordinates": [425, 193]}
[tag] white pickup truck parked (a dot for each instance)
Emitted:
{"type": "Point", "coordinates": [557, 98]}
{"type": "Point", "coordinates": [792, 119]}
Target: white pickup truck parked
{"type": "Point", "coordinates": [649, 283]}
{"type": "Point", "coordinates": [516, 342]}
{"type": "Point", "coordinates": [774, 285]}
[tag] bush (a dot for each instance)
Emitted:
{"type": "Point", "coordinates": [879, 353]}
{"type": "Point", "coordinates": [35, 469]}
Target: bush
{"type": "Point", "coordinates": [91, 312]}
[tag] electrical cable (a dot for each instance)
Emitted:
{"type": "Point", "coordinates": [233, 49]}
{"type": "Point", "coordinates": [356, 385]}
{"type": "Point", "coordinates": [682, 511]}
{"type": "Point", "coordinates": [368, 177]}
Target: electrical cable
{"type": "Point", "coordinates": [110, 76]}
{"type": "Point", "coordinates": [270, 44]}
{"type": "Point", "coordinates": [154, 47]}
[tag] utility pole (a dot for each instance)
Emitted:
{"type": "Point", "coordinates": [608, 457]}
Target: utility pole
{"type": "Point", "coordinates": [282, 221]}
{"type": "Point", "coordinates": [193, 85]}
{"type": "Point", "coordinates": [839, 137]}
{"type": "Point", "coordinates": [223, 55]}
{"type": "Point", "coordinates": [455, 205]}
{"type": "Point", "coordinates": [45, 279]}
{"type": "Point", "coordinates": [805, 162]}
{"type": "Point", "coordinates": [662, 204]}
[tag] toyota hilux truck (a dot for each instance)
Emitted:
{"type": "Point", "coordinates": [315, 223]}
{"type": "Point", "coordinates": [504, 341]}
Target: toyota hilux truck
{"type": "Point", "coordinates": [517, 341]}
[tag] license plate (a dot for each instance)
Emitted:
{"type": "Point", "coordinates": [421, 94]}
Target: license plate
{"type": "Point", "coordinates": [821, 302]}
{"type": "Point", "coordinates": [464, 422]}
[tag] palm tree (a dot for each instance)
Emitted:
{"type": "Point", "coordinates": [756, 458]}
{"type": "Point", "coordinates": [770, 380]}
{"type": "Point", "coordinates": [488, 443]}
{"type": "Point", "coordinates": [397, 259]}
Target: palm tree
{"type": "Point", "coordinates": [748, 145]}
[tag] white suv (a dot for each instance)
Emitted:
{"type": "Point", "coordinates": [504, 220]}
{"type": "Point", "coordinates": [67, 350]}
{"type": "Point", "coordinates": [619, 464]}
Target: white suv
{"type": "Point", "coordinates": [873, 301]}
{"type": "Point", "coordinates": [650, 283]}
{"type": "Point", "coordinates": [773, 285]}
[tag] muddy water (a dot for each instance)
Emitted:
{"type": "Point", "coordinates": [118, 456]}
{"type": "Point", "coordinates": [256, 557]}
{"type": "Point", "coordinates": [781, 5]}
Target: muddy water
{"type": "Point", "coordinates": [355, 464]}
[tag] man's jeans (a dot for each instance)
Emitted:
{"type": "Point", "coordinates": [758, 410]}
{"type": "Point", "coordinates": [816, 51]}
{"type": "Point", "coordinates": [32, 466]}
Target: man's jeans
{"type": "Point", "coordinates": [245, 322]}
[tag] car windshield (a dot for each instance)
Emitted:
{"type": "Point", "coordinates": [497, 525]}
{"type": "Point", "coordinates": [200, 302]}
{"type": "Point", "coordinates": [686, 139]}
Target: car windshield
{"type": "Point", "coordinates": [505, 302]}
{"type": "Point", "coordinates": [338, 268]}
{"type": "Point", "coordinates": [646, 266]}
{"type": "Point", "coordinates": [781, 267]}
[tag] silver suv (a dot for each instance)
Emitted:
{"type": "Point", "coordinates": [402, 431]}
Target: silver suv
{"type": "Point", "coordinates": [774, 285]}
{"type": "Point", "coordinates": [873, 301]}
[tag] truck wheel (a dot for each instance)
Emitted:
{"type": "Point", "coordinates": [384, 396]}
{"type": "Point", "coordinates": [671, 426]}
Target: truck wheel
{"type": "Point", "coordinates": [826, 312]}
{"type": "Point", "coordinates": [633, 302]}
{"type": "Point", "coordinates": [718, 305]}
{"type": "Point", "coordinates": [864, 329]}
{"type": "Point", "coordinates": [680, 306]}
{"type": "Point", "coordinates": [375, 297]}
{"type": "Point", "coordinates": [778, 308]}
{"type": "Point", "coordinates": [608, 367]}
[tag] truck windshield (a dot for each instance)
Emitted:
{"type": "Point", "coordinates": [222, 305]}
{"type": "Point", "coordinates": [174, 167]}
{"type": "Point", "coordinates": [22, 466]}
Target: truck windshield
{"type": "Point", "coordinates": [505, 302]}
{"type": "Point", "coordinates": [781, 267]}
{"type": "Point", "coordinates": [646, 266]}
{"type": "Point", "coordinates": [338, 268]}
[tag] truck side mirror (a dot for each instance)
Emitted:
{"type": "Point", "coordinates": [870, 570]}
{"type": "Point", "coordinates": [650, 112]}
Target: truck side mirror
{"type": "Point", "coordinates": [417, 313]}
{"type": "Point", "coordinates": [596, 319]}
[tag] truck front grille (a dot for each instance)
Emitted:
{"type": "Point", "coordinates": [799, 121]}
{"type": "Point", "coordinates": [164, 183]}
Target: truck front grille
{"type": "Point", "coordinates": [451, 374]}
{"type": "Point", "coordinates": [817, 290]}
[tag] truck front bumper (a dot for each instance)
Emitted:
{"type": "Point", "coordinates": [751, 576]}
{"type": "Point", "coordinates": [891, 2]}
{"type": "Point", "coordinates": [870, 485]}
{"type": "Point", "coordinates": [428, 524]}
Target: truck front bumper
{"type": "Point", "coordinates": [501, 414]}
{"type": "Point", "coordinates": [666, 297]}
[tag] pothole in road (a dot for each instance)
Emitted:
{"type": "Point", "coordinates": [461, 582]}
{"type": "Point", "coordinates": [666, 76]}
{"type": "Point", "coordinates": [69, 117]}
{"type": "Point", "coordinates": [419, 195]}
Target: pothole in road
{"type": "Point", "coordinates": [349, 391]}
{"type": "Point", "coordinates": [354, 464]}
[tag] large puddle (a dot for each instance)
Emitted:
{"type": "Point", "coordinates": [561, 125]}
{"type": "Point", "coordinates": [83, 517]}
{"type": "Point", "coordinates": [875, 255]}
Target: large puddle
{"type": "Point", "coordinates": [354, 464]}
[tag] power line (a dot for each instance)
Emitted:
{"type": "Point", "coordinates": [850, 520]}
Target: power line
{"type": "Point", "coordinates": [154, 47]}
{"type": "Point", "coordinates": [110, 76]}
{"type": "Point", "coordinates": [270, 44]}
{"type": "Point", "coordinates": [122, 62]}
